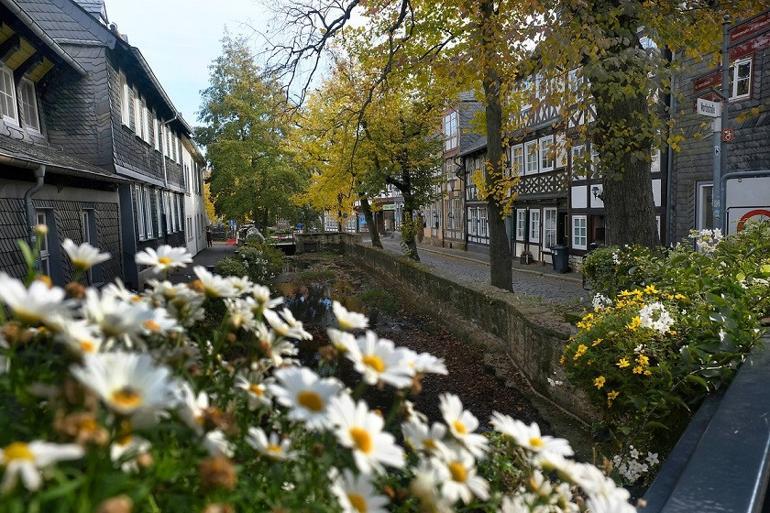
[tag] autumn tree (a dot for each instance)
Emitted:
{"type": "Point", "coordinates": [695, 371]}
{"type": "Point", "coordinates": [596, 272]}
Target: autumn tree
{"type": "Point", "coordinates": [253, 176]}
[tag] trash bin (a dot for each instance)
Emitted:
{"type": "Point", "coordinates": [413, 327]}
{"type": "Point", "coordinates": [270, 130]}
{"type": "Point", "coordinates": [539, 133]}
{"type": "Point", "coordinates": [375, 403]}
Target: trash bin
{"type": "Point", "coordinates": [560, 258]}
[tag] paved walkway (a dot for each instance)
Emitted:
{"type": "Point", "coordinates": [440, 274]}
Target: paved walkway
{"type": "Point", "coordinates": [534, 280]}
{"type": "Point", "coordinates": [207, 258]}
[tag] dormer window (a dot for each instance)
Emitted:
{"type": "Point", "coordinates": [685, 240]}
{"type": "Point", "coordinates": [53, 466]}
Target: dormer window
{"type": "Point", "coordinates": [740, 79]}
{"type": "Point", "coordinates": [28, 102]}
{"type": "Point", "coordinates": [8, 96]}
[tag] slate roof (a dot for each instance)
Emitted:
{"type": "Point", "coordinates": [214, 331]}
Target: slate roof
{"type": "Point", "coordinates": [52, 158]}
{"type": "Point", "coordinates": [468, 108]}
{"type": "Point", "coordinates": [66, 22]}
{"type": "Point", "coordinates": [95, 8]}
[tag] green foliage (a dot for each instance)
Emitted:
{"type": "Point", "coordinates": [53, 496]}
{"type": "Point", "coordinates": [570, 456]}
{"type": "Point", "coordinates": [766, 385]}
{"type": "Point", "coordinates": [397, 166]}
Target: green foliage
{"type": "Point", "coordinates": [649, 367]}
{"type": "Point", "coordinates": [261, 263]}
{"type": "Point", "coordinates": [380, 299]}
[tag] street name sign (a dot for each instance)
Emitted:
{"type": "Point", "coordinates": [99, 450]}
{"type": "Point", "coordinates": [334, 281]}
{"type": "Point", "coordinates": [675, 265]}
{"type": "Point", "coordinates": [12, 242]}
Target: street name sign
{"type": "Point", "coordinates": [708, 108]}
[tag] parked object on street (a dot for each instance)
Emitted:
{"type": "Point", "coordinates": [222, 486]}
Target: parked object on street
{"type": "Point", "coordinates": [560, 257]}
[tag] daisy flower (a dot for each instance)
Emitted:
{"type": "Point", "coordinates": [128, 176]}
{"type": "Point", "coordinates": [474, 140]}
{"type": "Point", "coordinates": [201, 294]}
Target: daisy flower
{"type": "Point", "coordinates": [356, 494]}
{"type": "Point", "coordinates": [84, 256]}
{"type": "Point", "coordinates": [342, 341]}
{"type": "Point", "coordinates": [213, 285]}
{"type": "Point", "coordinates": [425, 363]}
{"type": "Point", "coordinates": [216, 443]}
{"type": "Point", "coordinates": [275, 348]}
{"type": "Point", "coordinates": [421, 437]}
{"type": "Point", "coordinates": [36, 304]}
{"type": "Point", "coordinates": [192, 408]}
{"type": "Point", "coordinates": [285, 325]}
{"type": "Point", "coordinates": [273, 446]}
{"type": "Point", "coordinates": [306, 394]}
{"type": "Point", "coordinates": [348, 320]}
{"type": "Point", "coordinates": [129, 383]}
{"type": "Point", "coordinates": [26, 460]}
{"type": "Point", "coordinates": [529, 437]}
{"type": "Point", "coordinates": [80, 336]}
{"type": "Point", "coordinates": [456, 471]}
{"type": "Point", "coordinates": [256, 391]}
{"type": "Point", "coordinates": [241, 284]}
{"type": "Point", "coordinates": [261, 295]}
{"type": "Point", "coordinates": [164, 259]}
{"type": "Point", "coordinates": [241, 313]}
{"type": "Point", "coordinates": [378, 360]}
{"type": "Point", "coordinates": [114, 316]}
{"type": "Point", "coordinates": [160, 323]}
{"type": "Point", "coordinates": [462, 424]}
{"type": "Point", "coordinates": [125, 450]}
{"type": "Point", "coordinates": [362, 431]}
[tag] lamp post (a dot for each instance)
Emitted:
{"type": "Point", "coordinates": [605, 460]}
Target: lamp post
{"type": "Point", "coordinates": [720, 148]}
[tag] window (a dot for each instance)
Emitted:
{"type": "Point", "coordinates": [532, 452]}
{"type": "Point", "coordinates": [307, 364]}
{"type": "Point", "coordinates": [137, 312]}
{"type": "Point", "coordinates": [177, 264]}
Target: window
{"type": "Point", "coordinates": [546, 153]}
{"type": "Point", "coordinates": [531, 157]}
{"type": "Point", "coordinates": [180, 210]}
{"type": "Point", "coordinates": [539, 89]}
{"type": "Point", "coordinates": [579, 164]}
{"type": "Point", "coordinates": [534, 225]}
{"type": "Point", "coordinates": [483, 224]}
{"type": "Point", "coordinates": [125, 105]}
{"type": "Point", "coordinates": [28, 101]}
{"type": "Point", "coordinates": [561, 150]}
{"type": "Point", "coordinates": [549, 227]}
{"type": "Point", "coordinates": [579, 232]}
{"type": "Point", "coordinates": [156, 201]}
{"type": "Point", "coordinates": [451, 137]}
{"type": "Point", "coordinates": [521, 224]}
{"type": "Point", "coordinates": [146, 124]}
{"type": "Point", "coordinates": [138, 115]}
{"type": "Point", "coordinates": [517, 160]}
{"type": "Point", "coordinates": [472, 221]}
{"type": "Point", "coordinates": [595, 172]}
{"type": "Point", "coordinates": [45, 252]}
{"type": "Point", "coordinates": [189, 228]}
{"type": "Point", "coordinates": [740, 79]}
{"type": "Point", "coordinates": [139, 212]}
{"type": "Point", "coordinates": [8, 96]}
{"type": "Point", "coordinates": [156, 133]}
{"type": "Point", "coordinates": [148, 212]}
{"type": "Point", "coordinates": [704, 206]}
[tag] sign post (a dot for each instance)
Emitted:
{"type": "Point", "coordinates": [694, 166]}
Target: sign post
{"type": "Point", "coordinates": [717, 195]}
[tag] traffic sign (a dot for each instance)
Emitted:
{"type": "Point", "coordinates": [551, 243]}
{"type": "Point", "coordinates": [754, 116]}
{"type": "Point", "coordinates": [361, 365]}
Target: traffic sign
{"type": "Point", "coordinates": [728, 135]}
{"type": "Point", "coordinates": [708, 108]}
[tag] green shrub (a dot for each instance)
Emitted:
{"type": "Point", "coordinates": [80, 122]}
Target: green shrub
{"type": "Point", "coordinates": [261, 263]}
{"type": "Point", "coordinates": [381, 300]}
{"type": "Point", "coordinates": [231, 266]}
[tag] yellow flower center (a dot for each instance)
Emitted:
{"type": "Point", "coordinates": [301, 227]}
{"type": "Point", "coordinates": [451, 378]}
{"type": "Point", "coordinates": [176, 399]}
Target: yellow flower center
{"type": "Point", "coordinates": [362, 439]}
{"type": "Point", "coordinates": [17, 451]}
{"type": "Point", "coordinates": [536, 441]}
{"type": "Point", "coordinates": [358, 502]}
{"type": "Point", "coordinates": [429, 444]}
{"type": "Point", "coordinates": [310, 400]}
{"type": "Point", "coordinates": [126, 397]}
{"type": "Point", "coordinates": [87, 346]}
{"type": "Point", "coordinates": [459, 427]}
{"type": "Point", "coordinates": [152, 325]}
{"type": "Point", "coordinates": [273, 449]}
{"type": "Point", "coordinates": [257, 390]}
{"type": "Point", "coordinates": [374, 361]}
{"type": "Point", "coordinates": [458, 471]}
{"type": "Point", "coordinates": [164, 260]}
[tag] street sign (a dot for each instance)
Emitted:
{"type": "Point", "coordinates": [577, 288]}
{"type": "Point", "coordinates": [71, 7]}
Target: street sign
{"type": "Point", "coordinates": [728, 135]}
{"type": "Point", "coordinates": [708, 108]}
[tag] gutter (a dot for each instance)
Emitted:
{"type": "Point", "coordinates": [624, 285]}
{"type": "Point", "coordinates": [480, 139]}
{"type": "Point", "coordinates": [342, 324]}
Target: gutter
{"type": "Point", "coordinates": [39, 32]}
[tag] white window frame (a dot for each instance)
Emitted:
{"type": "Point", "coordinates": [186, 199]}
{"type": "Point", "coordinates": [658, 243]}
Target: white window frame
{"type": "Point", "coordinates": [521, 224]}
{"type": "Point", "coordinates": [531, 149]}
{"type": "Point", "coordinates": [180, 210]}
{"type": "Point", "coordinates": [149, 223]}
{"type": "Point", "coordinates": [517, 159]}
{"type": "Point", "coordinates": [594, 163]}
{"type": "Point", "coordinates": [578, 159]}
{"type": "Point", "coordinates": [140, 216]}
{"type": "Point", "coordinates": [550, 227]}
{"type": "Point", "coordinates": [7, 73]}
{"type": "Point", "coordinates": [734, 67]}
{"type": "Point", "coordinates": [561, 150]}
{"type": "Point", "coordinates": [580, 240]}
{"type": "Point", "coordinates": [125, 105]}
{"type": "Point", "coordinates": [483, 222]}
{"type": "Point", "coordinates": [146, 124]}
{"type": "Point", "coordinates": [156, 132]}
{"type": "Point", "coordinates": [701, 221]}
{"type": "Point", "coordinates": [547, 157]}
{"type": "Point", "coordinates": [32, 101]}
{"type": "Point", "coordinates": [534, 225]}
{"type": "Point", "coordinates": [137, 115]}
{"type": "Point", "coordinates": [451, 131]}
{"type": "Point", "coordinates": [45, 246]}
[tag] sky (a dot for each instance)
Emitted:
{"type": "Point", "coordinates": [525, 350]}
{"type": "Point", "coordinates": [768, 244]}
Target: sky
{"type": "Point", "coordinates": [180, 38]}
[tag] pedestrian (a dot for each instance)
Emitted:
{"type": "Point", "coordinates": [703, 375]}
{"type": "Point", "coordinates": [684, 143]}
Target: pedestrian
{"type": "Point", "coordinates": [209, 237]}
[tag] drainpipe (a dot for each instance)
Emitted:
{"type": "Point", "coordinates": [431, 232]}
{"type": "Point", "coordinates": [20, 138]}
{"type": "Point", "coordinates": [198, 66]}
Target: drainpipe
{"type": "Point", "coordinates": [29, 207]}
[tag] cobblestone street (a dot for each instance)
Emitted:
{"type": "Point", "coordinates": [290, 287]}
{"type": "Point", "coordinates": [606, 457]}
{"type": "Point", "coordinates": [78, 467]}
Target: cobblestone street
{"type": "Point", "coordinates": [475, 268]}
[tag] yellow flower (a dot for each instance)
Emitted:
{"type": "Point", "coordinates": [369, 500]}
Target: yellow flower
{"type": "Point", "coordinates": [643, 360]}
{"type": "Point", "coordinates": [680, 297]}
{"type": "Point", "coordinates": [635, 323]}
{"type": "Point", "coordinates": [623, 363]}
{"type": "Point", "coordinates": [638, 369]}
{"type": "Point", "coordinates": [581, 350]}
{"type": "Point", "coordinates": [562, 360]}
{"type": "Point", "coordinates": [586, 322]}
{"type": "Point", "coordinates": [611, 396]}
{"type": "Point", "coordinates": [599, 382]}
{"type": "Point", "coordinates": [597, 342]}
{"type": "Point", "coordinates": [651, 290]}
{"type": "Point", "coordinates": [648, 373]}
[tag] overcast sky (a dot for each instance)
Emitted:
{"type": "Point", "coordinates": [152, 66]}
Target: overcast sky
{"type": "Point", "coordinates": [180, 38]}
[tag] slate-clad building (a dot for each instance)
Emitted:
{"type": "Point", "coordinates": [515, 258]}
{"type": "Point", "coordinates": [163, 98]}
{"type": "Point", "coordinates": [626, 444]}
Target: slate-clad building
{"type": "Point", "coordinates": [102, 110]}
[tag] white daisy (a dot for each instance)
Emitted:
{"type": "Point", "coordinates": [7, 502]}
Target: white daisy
{"type": "Point", "coordinates": [129, 383]}
{"type": "Point", "coordinates": [80, 336]}
{"type": "Point", "coordinates": [306, 394]}
{"type": "Point", "coordinates": [36, 304]}
{"type": "Point", "coordinates": [285, 325]}
{"type": "Point", "coordinates": [275, 348]}
{"type": "Point", "coordinates": [261, 295]}
{"type": "Point", "coordinates": [356, 494]}
{"type": "Point", "coordinates": [343, 341]}
{"type": "Point", "coordinates": [456, 471]}
{"type": "Point", "coordinates": [213, 285]}
{"type": "Point", "coordinates": [257, 391]}
{"type": "Point", "coordinates": [26, 459]}
{"type": "Point", "coordinates": [114, 316]}
{"type": "Point", "coordinates": [216, 443]}
{"type": "Point", "coordinates": [241, 284]}
{"type": "Point", "coordinates": [530, 437]}
{"type": "Point", "coordinates": [425, 363]}
{"type": "Point", "coordinates": [348, 320]}
{"type": "Point", "coordinates": [241, 313]}
{"type": "Point", "coordinates": [192, 408]}
{"type": "Point", "coordinates": [362, 431]}
{"type": "Point", "coordinates": [378, 360]}
{"type": "Point", "coordinates": [160, 323]}
{"type": "Point", "coordinates": [84, 256]}
{"type": "Point", "coordinates": [164, 259]}
{"type": "Point", "coordinates": [422, 437]}
{"type": "Point", "coordinates": [125, 450]}
{"type": "Point", "coordinates": [462, 424]}
{"type": "Point", "coordinates": [273, 446]}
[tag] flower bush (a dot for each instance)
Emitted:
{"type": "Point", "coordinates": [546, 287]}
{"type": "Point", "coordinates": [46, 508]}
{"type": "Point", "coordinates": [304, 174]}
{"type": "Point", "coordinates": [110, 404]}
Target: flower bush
{"type": "Point", "coordinates": [668, 328]}
{"type": "Point", "coordinates": [261, 263]}
{"type": "Point", "coordinates": [115, 400]}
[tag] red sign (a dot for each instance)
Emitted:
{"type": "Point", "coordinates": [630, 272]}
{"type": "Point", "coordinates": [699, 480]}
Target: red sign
{"type": "Point", "coordinates": [728, 135]}
{"type": "Point", "coordinates": [759, 213]}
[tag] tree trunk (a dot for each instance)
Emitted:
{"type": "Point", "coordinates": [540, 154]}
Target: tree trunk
{"type": "Point", "coordinates": [408, 231]}
{"type": "Point", "coordinates": [374, 234]}
{"type": "Point", "coordinates": [501, 272]}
